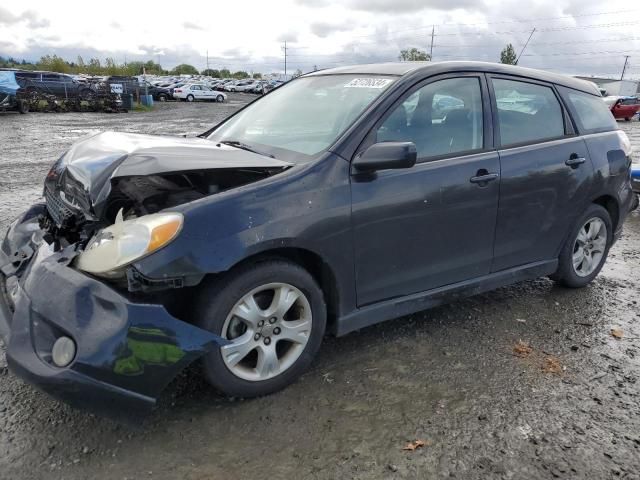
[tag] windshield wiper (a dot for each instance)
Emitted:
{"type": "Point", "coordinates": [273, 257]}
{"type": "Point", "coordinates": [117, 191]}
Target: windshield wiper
{"type": "Point", "coordinates": [244, 146]}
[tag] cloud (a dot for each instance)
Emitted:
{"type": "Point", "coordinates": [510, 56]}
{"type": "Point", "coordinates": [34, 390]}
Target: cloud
{"type": "Point", "coordinates": [6, 46]}
{"type": "Point", "coordinates": [397, 6]}
{"type": "Point", "coordinates": [192, 26]}
{"type": "Point", "coordinates": [34, 20]}
{"type": "Point", "coordinates": [7, 18]}
{"type": "Point", "coordinates": [31, 18]}
{"type": "Point", "coordinates": [314, 3]}
{"type": "Point", "coordinates": [288, 37]}
{"type": "Point", "coordinates": [324, 29]}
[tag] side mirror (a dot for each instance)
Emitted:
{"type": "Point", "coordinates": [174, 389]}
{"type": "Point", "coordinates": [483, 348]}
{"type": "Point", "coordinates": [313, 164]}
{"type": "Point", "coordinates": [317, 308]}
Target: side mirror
{"type": "Point", "coordinates": [386, 155]}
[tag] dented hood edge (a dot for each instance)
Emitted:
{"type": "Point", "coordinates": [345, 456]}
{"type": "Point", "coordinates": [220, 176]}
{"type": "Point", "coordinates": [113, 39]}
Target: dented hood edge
{"type": "Point", "coordinates": [95, 160]}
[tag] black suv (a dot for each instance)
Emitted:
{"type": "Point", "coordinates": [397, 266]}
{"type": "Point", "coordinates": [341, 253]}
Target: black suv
{"type": "Point", "coordinates": [58, 84]}
{"type": "Point", "coordinates": [344, 198]}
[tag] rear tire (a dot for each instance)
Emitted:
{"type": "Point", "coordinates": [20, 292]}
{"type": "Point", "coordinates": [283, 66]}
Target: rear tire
{"type": "Point", "coordinates": [219, 99]}
{"type": "Point", "coordinates": [237, 307]}
{"type": "Point", "coordinates": [190, 98]}
{"type": "Point", "coordinates": [586, 248]}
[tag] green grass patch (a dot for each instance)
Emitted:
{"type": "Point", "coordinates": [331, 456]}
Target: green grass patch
{"type": "Point", "coordinates": [141, 108]}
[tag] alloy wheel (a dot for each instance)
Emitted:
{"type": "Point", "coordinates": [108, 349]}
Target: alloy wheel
{"type": "Point", "coordinates": [269, 328]}
{"type": "Point", "coordinates": [589, 247]}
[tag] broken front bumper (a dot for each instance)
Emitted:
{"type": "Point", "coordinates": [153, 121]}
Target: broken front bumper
{"type": "Point", "coordinates": [126, 352]}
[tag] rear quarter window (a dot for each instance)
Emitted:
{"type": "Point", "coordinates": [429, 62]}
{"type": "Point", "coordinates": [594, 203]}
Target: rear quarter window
{"type": "Point", "coordinates": [590, 112]}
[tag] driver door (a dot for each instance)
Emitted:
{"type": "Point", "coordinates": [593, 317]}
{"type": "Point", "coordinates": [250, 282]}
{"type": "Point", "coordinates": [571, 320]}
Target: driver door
{"type": "Point", "coordinates": [207, 93]}
{"type": "Point", "coordinates": [431, 225]}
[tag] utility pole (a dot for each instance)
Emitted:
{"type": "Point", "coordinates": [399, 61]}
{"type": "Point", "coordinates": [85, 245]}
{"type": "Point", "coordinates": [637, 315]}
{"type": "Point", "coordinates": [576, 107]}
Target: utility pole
{"type": "Point", "coordinates": [285, 60]}
{"type": "Point", "coordinates": [433, 28]}
{"type": "Point", "coordinates": [626, 59]}
{"type": "Point", "coordinates": [207, 62]}
{"type": "Point", "coordinates": [525, 45]}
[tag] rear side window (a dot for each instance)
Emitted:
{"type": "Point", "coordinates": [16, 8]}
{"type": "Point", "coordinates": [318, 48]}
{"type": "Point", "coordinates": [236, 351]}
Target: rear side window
{"type": "Point", "coordinates": [591, 113]}
{"type": "Point", "coordinates": [527, 112]}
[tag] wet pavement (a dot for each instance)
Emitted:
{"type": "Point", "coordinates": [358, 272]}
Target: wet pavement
{"type": "Point", "coordinates": [524, 382]}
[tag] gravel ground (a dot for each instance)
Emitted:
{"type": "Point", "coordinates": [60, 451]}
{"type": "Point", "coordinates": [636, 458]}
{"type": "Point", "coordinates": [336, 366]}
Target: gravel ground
{"type": "Point", "coordinates": [524, 382]}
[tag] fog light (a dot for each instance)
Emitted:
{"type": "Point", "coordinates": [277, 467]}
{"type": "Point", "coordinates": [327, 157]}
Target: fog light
{"type": "Point", "coordinates": [63, 351]}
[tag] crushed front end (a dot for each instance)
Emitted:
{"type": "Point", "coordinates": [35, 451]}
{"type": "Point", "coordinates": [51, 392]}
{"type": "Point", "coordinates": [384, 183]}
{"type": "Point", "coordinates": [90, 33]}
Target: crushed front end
{"type": "Point", "coordinates": [77, 317]}
{"type": "Point", "coordinates": [76, 336]}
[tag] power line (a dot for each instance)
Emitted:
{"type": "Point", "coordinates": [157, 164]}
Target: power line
{"type": "Point", "coordinates": [502, 22]}
{"type": "Point", "coordinates": [565, 54]}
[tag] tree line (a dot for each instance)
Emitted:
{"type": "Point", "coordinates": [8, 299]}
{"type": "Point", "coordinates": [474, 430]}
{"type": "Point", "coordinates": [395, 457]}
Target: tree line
{"type": "Point", "coordinates": [507, 55]}
{"type": "Point", "coordinates": [95, 66]}
{"type": "Point", "coordinates": [108, 66]}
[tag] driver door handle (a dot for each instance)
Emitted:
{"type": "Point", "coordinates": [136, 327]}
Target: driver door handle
{"type": "Point", "coordinates": [484, 177]}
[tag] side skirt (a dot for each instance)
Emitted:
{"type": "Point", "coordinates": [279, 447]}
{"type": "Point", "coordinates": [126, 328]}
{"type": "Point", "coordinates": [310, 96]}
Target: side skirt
{"type": "Point", "coordinates": [398, 307]}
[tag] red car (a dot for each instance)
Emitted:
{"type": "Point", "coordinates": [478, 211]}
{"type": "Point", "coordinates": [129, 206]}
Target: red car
{"type": "Point", "coordinates": [623, 107]}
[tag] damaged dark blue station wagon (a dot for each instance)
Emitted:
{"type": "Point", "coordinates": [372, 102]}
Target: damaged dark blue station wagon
{"type": "Point", "coordinates": [344, 198]}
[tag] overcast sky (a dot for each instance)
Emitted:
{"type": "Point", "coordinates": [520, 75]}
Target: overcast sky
{"type": "Point", "coordinates": [573, 36]}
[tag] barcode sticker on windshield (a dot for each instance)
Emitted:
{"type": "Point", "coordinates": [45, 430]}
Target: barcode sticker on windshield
{"type": "Point", "coordinates": [368, 83]}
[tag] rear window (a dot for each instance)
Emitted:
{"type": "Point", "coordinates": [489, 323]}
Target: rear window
{"type": "Point", "coordinates": [591, 113]}
{"type": "Point", "coordinates": [527, 112]}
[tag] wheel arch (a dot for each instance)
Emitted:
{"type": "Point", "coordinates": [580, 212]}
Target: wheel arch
{"type": "Point", "coordinates": [610, 204]}
{"type": "Point", "coordinates": [313, 263]}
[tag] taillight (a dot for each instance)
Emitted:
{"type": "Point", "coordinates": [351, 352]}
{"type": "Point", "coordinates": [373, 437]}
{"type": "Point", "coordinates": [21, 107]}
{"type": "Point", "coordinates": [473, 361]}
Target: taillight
{"type": "Point", "coordinates": [177, 90]}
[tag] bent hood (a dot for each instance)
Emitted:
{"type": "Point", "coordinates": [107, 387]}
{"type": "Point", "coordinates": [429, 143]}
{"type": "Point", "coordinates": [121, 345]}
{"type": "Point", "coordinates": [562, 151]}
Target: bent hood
{"type": "Point", "coordinates": [85, 171]}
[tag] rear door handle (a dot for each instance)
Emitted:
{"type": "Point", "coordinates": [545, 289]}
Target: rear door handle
{"type": "Point", "coordinates": [485, 178]}
{"type": "Point", "coordinates": [574, 161]}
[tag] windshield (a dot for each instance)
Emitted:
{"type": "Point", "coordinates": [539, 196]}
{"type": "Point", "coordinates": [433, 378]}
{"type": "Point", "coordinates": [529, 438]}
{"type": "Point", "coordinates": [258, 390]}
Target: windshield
{"type": "Point", "coordinates": [304, 116]}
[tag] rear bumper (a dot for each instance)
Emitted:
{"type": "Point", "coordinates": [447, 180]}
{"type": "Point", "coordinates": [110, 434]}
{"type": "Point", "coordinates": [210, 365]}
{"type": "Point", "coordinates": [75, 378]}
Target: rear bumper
{"type": "Point", "coordinates": [127, 352]}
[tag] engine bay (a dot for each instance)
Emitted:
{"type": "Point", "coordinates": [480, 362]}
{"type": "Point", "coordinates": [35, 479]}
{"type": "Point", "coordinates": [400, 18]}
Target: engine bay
{"type": "Point", "coordinates": [67, 222]}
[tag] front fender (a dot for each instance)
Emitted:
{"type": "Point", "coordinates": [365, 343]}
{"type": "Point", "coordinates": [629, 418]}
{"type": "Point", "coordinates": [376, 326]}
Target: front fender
{"type": "Point", "coordinates": [308, 209]}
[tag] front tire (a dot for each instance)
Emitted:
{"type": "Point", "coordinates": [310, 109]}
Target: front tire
{"type": "Point", "coordinates": [585, 250]}
{"type": "Point", "coordinates": [274, 314]}
{"type": "Point", "coordinates": [219, 99]}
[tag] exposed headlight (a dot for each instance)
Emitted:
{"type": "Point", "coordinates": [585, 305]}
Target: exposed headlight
{"type": "Point", "coordinates": [127, 241]}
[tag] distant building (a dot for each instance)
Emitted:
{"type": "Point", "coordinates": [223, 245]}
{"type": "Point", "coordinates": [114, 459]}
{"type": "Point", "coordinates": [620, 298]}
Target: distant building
{"type": "Point", "coordinates": [611, 86]}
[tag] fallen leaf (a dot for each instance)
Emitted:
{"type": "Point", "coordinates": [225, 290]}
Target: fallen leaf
{"type": "Point", "coordinates": [522, 349]}
{"type": "Point", "coordinates": [552, 365]}
{"type": "Point", "coordinates": [617, 333]}
{"type": "Point", "coordinates": [411, 446]}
